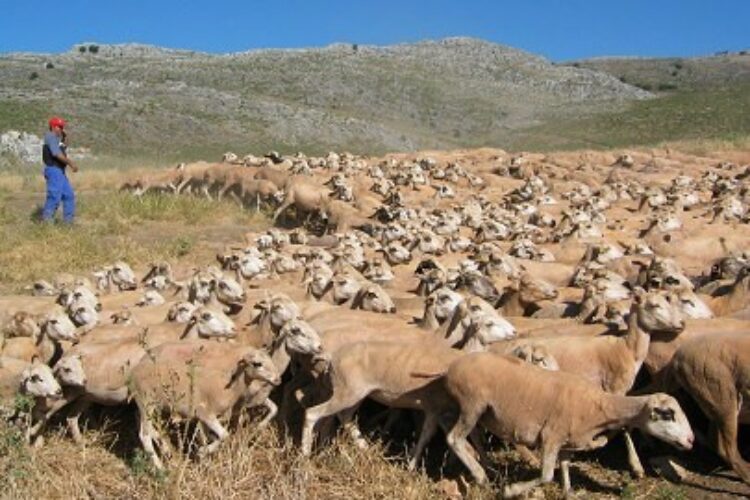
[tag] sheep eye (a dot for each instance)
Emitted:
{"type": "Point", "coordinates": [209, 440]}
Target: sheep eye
{"type": "Point", "coordinates": [256, 364]}
{"type": "Point", "coordinates": [36, 378]}
{"type": "Point", "coordinates": [206, 317]}
{"type": "Point", "coordinates": [688, 302]}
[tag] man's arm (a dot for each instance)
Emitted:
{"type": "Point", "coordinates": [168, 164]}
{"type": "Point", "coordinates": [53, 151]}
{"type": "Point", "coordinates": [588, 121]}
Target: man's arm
{"type": "Point", "coordinates": [67, 161]}
{"type": "Point", "coordinates": [53, 144]}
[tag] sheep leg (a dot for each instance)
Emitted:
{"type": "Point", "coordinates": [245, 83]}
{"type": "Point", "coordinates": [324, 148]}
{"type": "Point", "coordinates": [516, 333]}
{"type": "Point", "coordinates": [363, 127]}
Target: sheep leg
{"type": "Point", "coordinates": [279, 210]}
{"type": "Point", "coordinates": [57, 406]}
{"type": "Point", "coordinates": [273, 410]}
{"type": "Point", "coordinates": [633, 459]}
{"type": "Point", "coordinates": [727, 448]}
{"type": "Point", "coordinates": [79, 407]}
{"type": "Point", "coordinates": [213, 424]}
{"type": "Point", "coordinates": [565, 473]}
{"type": "Point", "coordinates": [456, 439]}
{"type": "Point", "coordinates": [336, 404]}
{"type": "Point", "coordinates": [147, 435]}
{"type": "Point", "coordinates": [527, 455]}
{"type": "Point", "coordinates": [429, 428]}
{"type": "Point", "coordinates": [394, 415]}
{"type": "Point", "coordinates": [346, 418]}
{"type": "Point", "coordinates": [549, 460]}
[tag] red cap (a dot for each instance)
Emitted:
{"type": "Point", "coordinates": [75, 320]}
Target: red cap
{"type": "Point", "coordinates": [56, 121]}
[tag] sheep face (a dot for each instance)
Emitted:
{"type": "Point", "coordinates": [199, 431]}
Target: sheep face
{"type": "Point", "coordinates": [282, 309]}
{"type": "Point", "coordinates": [251, 266]}
{"type": "Point", "coordinates": [345, 287]}
{"type": "Point", "coordinates": [258, 365]}
{"type": "Point", "coordinates": [319, 282]}
{"type": "Point", "coordinates": [78, 296]}
{"type": "Point", "coordinates": [42, 288]}
{"type": "Point", "coordinates": [444, 300]}
{"type": "Point", "coordinates": [533, 290]}
{"type": "Point", "coordinates": [609, 290]}
{"type": "Point", "coordinates": [180, 312]}
{"type": "Point", "coordinates": [300, 337]}
{"type": "Point", "coordinates": [536, 355]}
{"type": "Point", "coordinates": [22, 324]}
{"type": "Point", "coordinates": [488, 327]}
{"type": "Point", "coordinates": [211, 323]}
{"type": "Point", "coordinates": [69, 371]}
{"type": "Point", "coordinates": [124, 317]}
{"type": "Point", "coordinates": [660, 312]}
{"type": "Point", "coordinates": [375, 299]}
{"type": "Point", "coordinates": [123, 277]}
{"type": "Point", "coordinates": [692, 306]}
{"type": "Point", "coordinates": [58, 326]}
{"type": "Point", "coordinates": [230, 292]}
{"type": "Point", "coordinates": [663, 418]}
{"type": "Point", "coordinates": [150, 298]}
{"type": "Point", "coordinates": [200, 288]}
{"type": "Point", "coordinates": [84, 315]}
{"type": "Point", "coordinates": [38, 381]}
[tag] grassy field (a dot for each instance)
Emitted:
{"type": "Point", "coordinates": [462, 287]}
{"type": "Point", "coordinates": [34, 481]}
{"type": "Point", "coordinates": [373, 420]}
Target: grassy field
{"type": "Point", "coordinates": [110, 226]}
{"type": "Point", "coordinates": [720, 114]}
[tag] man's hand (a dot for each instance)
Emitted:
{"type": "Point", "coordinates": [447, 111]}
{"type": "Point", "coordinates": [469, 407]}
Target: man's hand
{"type": "Point", "coordinates": [73, 167]}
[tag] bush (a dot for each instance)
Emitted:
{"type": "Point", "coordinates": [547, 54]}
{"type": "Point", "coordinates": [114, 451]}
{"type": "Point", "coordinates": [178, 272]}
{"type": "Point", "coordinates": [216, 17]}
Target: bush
{"type": "Point", "coordinates": [666, 86]}
{"type": "Point", "coordinates": [94, 49]}
{"type": "Point", "coordinates": [49, 65]}
{"type": "Point", "coordinates": [81, 49]}
{"type": "Point", "coordinates": [34, 75]}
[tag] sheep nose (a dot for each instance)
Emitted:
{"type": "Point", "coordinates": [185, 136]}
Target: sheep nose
{"type": "Point", "coordinates": [689, 441]}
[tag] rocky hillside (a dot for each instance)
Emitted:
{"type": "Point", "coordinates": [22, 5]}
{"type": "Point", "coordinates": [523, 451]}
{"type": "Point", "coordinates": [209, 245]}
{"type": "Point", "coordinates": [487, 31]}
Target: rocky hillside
{"type": "Point", "coordinates": [671, 74]}
{"type": "Point", "coordinates": [155, 103]}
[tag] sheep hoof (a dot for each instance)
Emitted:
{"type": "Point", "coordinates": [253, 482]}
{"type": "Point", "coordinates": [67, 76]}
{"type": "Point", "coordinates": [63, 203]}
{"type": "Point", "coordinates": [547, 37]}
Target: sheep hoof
{"type": "Point", "coordinates": [668, 468]}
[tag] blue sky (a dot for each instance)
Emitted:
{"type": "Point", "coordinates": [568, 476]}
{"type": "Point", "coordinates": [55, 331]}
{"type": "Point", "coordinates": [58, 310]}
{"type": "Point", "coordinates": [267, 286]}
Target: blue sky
{"type": "Point", "coordinates": [557, 29]}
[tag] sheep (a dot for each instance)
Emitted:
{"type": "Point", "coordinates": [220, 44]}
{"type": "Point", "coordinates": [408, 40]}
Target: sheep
{"type": "Point", "coordinates": [34, 379]}
{"type": "Point", "coordinates": [527, 405]}
{"type": "Point", "coordinates": [380, 371]}
{"type": "Point", "coordinates": [195, 380]}
{"type": "Point", "coordinates": [94, 373]}
{"type": "Point", "coordinates": [119, 275]}
{"type": "Point", "coordinates": [304, 196]}
{"type": "Point", "coordinates": [715, 371]}
{"type": "Point", "coordinates": [204, 322]}
{"type": "Point", "coordinates": [612, 363]}
{"type": "Point", "coordinates": [522, 298]}
{"type": "Point", "coordinates": [22, 324]}
{"type": "Point", "coordinates": [54, 329]}
{"type": "Point", "coordinates": [736, 298]}
{"type": "Point", "coordinates": [279, 177]}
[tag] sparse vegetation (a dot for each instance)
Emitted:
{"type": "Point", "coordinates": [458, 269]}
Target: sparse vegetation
{"type": "Point", "coordinates": [111, 224]}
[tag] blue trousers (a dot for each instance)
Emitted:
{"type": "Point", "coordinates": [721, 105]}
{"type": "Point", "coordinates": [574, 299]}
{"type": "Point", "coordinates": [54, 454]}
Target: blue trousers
{"type": "Point", "coordinates": [58, 190]}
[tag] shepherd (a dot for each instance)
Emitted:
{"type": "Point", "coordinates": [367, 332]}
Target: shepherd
{"type": "Point", "coordinates": [56, 160]}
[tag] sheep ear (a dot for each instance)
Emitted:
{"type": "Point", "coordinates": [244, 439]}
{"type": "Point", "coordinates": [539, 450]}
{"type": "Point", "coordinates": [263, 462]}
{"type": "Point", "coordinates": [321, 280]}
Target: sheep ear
{"type": "Point", "coordinates": [35, 359]}
{"type": "Point", "coordinates": [639, 294]}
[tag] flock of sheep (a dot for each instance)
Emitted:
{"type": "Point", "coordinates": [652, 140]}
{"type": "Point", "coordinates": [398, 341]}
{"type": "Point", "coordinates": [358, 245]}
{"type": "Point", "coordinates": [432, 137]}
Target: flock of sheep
{"type": "Point", "coordinates": [551, 300]}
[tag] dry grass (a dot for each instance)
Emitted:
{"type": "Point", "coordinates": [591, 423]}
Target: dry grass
{"type": "Point", "coordinates": [251, 464]}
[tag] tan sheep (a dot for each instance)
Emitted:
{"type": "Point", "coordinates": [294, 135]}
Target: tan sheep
{"type": "Point", "coordinates": [527, 405]}
{"type": "Point", "coordinates": [715, 371]}
{"type": "Point", "coordinates": [196, 380]}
